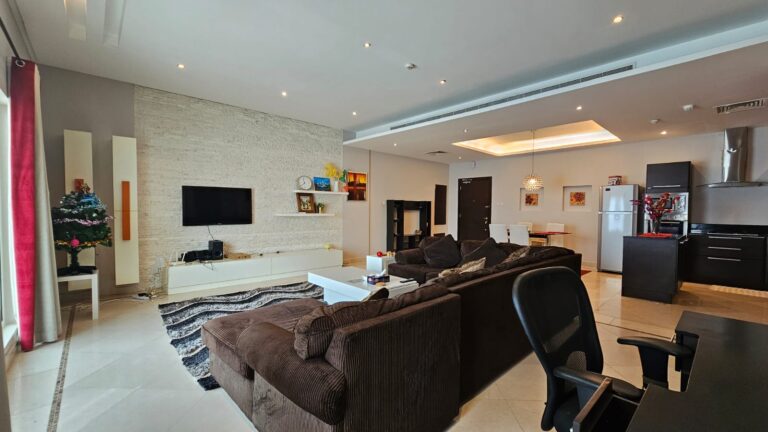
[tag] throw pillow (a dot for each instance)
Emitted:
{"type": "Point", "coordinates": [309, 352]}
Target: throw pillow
{"type": "Point", "coordinates": [489, 250]}
{"type": "Point", "coordinates": [523, 251]}
{"type": "Point", "coordinates": [464, 268]}
{"type": "Point", "coordinates": [442, 253]}
{"type": "Point", "coordinates": [314, 331]}
{"type": "Point", "coordinates": [378, 294]}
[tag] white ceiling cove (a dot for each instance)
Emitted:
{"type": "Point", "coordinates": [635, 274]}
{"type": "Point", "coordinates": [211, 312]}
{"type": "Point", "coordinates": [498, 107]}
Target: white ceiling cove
{"type": "Point", "coordinates": [246, 52]}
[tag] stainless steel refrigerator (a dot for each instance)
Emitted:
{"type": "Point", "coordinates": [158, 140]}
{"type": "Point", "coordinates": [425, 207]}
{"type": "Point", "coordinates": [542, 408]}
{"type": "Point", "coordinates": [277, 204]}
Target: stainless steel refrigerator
{"type": "Point", "coordinates": [618, 217]}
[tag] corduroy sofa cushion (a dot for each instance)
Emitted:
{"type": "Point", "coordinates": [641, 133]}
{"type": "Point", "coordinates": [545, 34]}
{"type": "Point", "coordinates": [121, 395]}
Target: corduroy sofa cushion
{"type": "Point", "coordinates": [220, 335]}
{"type": "Point", "coordinates": [314, 331]}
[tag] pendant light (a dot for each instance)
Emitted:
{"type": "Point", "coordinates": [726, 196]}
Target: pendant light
{"type": "Point", "coordinates": [533, 182]}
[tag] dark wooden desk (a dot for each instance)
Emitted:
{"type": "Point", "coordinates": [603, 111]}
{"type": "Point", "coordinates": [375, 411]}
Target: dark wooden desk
{"type": "Point", "coordinates": [728, 383]}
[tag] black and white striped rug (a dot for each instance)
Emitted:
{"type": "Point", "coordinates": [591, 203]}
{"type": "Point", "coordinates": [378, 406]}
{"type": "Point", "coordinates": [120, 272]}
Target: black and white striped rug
{"type": "Point", "coordinates": [183, 320]}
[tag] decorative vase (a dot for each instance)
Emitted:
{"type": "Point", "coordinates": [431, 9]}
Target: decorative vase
{"type": "Point", "coordinates": [336, 185]}
{"type": "Point", "coordinates": [655, 226]}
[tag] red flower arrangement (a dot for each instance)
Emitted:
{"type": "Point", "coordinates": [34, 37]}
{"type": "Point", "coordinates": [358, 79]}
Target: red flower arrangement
{"type": "Point", "coordinates": [656, 209]}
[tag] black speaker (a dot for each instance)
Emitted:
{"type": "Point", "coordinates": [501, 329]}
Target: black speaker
{"type": "Point", "coordinates": [216, 249]}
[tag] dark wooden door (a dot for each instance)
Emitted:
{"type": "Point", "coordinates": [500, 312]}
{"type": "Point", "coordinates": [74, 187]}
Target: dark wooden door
{"type": "Point", "coordinates": [474, 208]}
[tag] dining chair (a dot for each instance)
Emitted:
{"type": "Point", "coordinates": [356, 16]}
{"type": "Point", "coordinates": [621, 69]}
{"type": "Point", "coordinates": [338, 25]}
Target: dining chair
{"type": "Point", "coordinates": [528, 224]}
{"type": "Point", "coordinates": [499, 232]}
{"type": "Point", "coordinates": [518, 234]}
{"type": "Point", "coordinates": [556, 240]}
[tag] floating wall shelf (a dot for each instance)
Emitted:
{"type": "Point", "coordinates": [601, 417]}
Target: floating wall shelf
{"type": "Point", "coordinates": [320, 192]}
{"type": "Point", "coordinates": [304, 214]}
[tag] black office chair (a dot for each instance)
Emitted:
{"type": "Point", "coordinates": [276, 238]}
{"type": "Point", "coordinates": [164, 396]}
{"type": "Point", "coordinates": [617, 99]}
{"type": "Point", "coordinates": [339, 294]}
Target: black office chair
{"type": "Point", "coordinates": [557, 318]}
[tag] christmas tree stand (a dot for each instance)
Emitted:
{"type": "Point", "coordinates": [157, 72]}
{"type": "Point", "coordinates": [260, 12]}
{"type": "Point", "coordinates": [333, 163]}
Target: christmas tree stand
{"type": "Point", "coordinates": [75, 268]}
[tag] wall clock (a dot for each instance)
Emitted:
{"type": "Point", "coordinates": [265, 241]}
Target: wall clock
{"type": "Point", "coordinates": [304, 183]}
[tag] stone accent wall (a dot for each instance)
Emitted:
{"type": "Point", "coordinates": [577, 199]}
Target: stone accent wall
{"type": "Point", "coordinates": [188, 141]}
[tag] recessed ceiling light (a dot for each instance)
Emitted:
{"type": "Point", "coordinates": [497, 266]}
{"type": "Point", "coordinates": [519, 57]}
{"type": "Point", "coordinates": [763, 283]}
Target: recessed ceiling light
{"type": "Point", "coordinates": [395, 144]}
{"type": "Point", "coordinates": [367, 45]}
{"type": "Point", "coordinates": [579, 108]}
{"type": "Point", "coordinates": [284, 93]}
{"type": "Point", "coordinates": [655, 121]}
{"type": "Point", "coordinates": [354, 113]}
{"type": "Point", "coordinates": [459, 157]}
{"type": "Point", "coordinates": [663, 132]}
{"type": "Point", "coordinates": [466, 130]}
{"type": "Point", "coordinates": [443, 82]}
{"type": "Point", "coordinates": [410, 66]}
{"type": "Point", "coordinates": [180, 66]}
{"type": "Point", "coordinates": [618, 19]}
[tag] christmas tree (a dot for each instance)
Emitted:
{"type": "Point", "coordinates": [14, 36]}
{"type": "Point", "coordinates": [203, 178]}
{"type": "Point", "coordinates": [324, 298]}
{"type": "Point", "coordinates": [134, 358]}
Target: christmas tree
{"type": "Point", "coordinates": [81, 222]}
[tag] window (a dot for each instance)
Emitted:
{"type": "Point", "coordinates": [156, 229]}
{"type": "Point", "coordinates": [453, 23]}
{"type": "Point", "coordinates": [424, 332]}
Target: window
{"type": "Point", "coordinates": [7, 275]}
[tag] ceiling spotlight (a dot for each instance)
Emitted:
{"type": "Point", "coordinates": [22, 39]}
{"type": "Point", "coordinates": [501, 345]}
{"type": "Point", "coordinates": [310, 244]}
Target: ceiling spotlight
{"type": "Point", "coordinates": [367, 45]}
{"type": "Point", "coordinates": [284, 93]}
{"type": "Point", "coordinates": [354, 113]}
{"type": "Point", "coordinates": [579, 108]}
{"type": "Point", "coordinates": [395, 144]}
{"type": "Point", "coordinates": [443, 82]}
{"type": "Point", "coordinates": [618, 19]}
{"type": "Point", "coordinates": [688, 108]}
{"type": "Point", "coordinates": [466, 130]}
{"type": "Point", "coordinates": [663, 132]}
{"type": "Point", "coordinates": [180, 66]}
{"type": "Point", "coordinates": [459, 157]}
{"type": "Point", "coordinates": [655, 121]}
{"type": "Point", "coordinates": [410, 66]}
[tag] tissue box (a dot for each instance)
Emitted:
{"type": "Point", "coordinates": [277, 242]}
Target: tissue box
{"type": "Point", "coordinates": [374, 279]}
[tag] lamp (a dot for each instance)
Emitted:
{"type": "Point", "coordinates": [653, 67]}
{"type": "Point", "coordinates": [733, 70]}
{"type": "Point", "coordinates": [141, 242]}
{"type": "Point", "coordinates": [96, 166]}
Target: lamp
{"type": "Point", "coordinates": [533, 182]}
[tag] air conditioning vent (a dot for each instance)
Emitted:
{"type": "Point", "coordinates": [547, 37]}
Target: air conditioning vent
{"type": "Point", "coordinates": [518, 96]}
{"type": "Point", "coordinates": [436, 153]}
{"type": "Point", "coordinates": [742, 106]}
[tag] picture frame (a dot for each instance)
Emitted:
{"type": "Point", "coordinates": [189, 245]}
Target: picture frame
{"type": "Point", "coordinates": [357, 186]}
{"type": "Point", "coordinates": [322, 184]}
{"type": "Point", "coordinates": [531, 199]}
{"type": "Point", "coordinates": [577, 198]}
{"type": "Point", "coordinates": [305, 203]}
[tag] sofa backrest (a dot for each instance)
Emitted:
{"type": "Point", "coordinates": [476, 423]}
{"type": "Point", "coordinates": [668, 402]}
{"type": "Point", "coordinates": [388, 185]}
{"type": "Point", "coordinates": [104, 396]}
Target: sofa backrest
{"type": "Point", "coordinates": [314, 331]}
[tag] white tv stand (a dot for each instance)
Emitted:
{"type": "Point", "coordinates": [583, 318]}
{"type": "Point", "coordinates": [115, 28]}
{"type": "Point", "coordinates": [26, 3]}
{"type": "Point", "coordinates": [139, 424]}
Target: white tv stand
{"type": "Point", "coordinates": [196, 276]}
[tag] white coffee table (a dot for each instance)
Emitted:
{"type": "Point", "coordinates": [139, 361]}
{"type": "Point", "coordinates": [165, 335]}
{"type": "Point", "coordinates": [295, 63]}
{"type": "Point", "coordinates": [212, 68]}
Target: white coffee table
{"type": "Point", "coordinates": [377, 264]}
{"type": "Point", "coordinates": [346, 284]}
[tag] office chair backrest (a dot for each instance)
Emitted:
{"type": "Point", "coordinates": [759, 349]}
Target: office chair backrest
{"type": "Point", "coordinates": [518, 234]}
{"type": "Point", "coordinates": [555, 312]}
{"type": "Point", "coordinates": [499, 232]}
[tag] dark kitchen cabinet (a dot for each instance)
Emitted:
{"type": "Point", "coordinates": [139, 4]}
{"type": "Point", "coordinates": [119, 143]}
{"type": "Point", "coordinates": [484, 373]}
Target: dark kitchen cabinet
{"type": "Point", "coordinates": [668, 177]}
{"type": "Point", "coordinates": [728, 259]}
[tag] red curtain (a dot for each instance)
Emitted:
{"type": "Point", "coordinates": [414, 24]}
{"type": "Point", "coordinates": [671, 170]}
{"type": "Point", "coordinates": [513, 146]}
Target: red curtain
{"type": "Point", "coordinates": [23, 194]}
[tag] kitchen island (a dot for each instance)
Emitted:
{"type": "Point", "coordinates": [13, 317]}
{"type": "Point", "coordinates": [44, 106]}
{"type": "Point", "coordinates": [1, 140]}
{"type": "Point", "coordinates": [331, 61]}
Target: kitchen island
{"type": "Point", "coordinates": [652, 267]}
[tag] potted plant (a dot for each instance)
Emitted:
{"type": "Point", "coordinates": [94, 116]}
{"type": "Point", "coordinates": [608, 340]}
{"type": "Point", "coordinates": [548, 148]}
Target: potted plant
{"type": "Point", "coordinates": [81, 222]}
{"type": "Point", "coordinates": [320, 207]}
{"type": "Point", "coordinates": [656, 209]}
{"type": "Point", "coordinates": [336, 175]}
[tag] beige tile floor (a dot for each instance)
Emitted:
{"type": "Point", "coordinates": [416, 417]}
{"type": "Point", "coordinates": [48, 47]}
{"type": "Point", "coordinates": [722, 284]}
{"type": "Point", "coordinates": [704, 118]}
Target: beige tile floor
{"type": "Point", "coordinates": [123, 375]}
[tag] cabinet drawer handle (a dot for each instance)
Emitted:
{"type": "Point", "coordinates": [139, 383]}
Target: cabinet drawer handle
{"type": "Point", "coordinates": [724, 238]}
{"type": "Point", "coordinates": [723, 248]}
{"type": "Point", "coordinates": [665, 186]}
{"type": "Point", "coordinates": [724, 259]}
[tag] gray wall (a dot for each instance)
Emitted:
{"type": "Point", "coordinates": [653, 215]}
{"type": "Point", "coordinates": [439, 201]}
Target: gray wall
{"type": "Point", "coordinates": [104, 107]}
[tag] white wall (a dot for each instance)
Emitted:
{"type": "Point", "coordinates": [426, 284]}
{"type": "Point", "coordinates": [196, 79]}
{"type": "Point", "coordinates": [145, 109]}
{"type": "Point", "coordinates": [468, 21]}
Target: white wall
{"type": "Point", "coordinates": [390, 177]}
{"type": "Point", "coordinates": [592, 166]}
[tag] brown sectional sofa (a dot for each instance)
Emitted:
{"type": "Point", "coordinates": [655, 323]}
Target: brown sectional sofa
{"type": "Point", "coordinates": [389, 364]}
{"type": "Point", "coordinates": [402, 364]}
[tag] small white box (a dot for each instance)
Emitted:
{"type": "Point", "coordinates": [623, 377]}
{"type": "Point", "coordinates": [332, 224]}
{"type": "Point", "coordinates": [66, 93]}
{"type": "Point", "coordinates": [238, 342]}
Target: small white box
{"type": "Point", "coordinates": [375, 264]}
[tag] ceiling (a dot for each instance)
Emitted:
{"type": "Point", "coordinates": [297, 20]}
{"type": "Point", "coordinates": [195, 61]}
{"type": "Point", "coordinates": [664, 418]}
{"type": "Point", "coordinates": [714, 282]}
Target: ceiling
{"type": "Point", "coordinates": [246, 52]}
{"type": "Point", "coordinates": [623, 106]}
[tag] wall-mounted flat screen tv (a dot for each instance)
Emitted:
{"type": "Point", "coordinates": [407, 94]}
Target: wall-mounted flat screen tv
{"type": "Point", "coordinates": [203, 205]}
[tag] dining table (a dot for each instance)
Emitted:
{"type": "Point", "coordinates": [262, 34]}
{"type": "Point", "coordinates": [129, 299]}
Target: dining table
{"type": "Point", "coordinates": [546, 235]}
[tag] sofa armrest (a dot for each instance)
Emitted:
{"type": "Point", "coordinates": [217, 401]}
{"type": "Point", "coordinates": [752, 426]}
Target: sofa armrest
{"type": "Point", "coordinates": [410, 256]}
{"type": "Point", "coordinates": [402, 366]}
{"type": "Point", "coordinates": [313, 384]}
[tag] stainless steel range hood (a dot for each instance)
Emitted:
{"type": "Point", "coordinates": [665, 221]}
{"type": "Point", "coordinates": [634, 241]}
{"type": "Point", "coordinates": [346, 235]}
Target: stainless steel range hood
{"type": "Point", "coordinates": [735, 159]}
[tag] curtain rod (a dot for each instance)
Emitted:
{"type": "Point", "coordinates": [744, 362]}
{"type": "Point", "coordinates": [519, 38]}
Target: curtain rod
{"type": "Point", "coordinates": [19, 60]}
